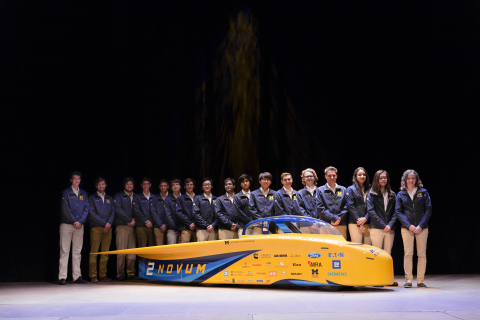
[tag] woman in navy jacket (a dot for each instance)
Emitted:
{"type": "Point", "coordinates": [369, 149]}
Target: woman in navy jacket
{"type": "Point", "coordinates": [414, 208]}
{"type": "Point", "coordinates": [356, 194]}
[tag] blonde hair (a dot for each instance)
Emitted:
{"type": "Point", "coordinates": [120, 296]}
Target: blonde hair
{"type": "Point", "coordinates": [309, 170]}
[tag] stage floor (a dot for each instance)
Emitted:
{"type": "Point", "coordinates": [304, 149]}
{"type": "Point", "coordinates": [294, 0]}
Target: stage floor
{"type": "Point", "coordinates": [447, 297]}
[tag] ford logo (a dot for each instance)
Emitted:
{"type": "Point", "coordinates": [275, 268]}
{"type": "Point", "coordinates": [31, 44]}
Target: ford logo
{"type": "Point", "coordinates": [314, 255]}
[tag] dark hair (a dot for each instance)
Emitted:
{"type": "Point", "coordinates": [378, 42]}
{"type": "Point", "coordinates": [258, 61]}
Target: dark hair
{"type": "Point", "coordinates": [189, 180]}
{"type": "Point", "coordinates": [284, 175]}
{"type": "Point", "coordinates": [128, 179]}
{"type": "Point", "coordinates": [376, 183]}
{"type": "Point", "coordinates": [403, 184]}
{"type": "Point", "coordinates": [206, 179]}
{"type": "Point", "coordinates": [265, 175]}
{"type": "Point", "coordinates": [163, 180]}
{"type": "Point", "coordinates": [99, 179]}
{"type": "Point", "coordinates": [366, 185]}
{"type": "Point", "coordinates": [331, 169]}
{"type": "Point", "coordinates": [230, 179]}
{"type": "Point", "coordinates": [75, 173]}
{"type": "Point", "coordinates": [174, 181]}
{"type": "Point", "coordinates": [245, 176]}
{"type": "Point", "coordinates": [147, 179]}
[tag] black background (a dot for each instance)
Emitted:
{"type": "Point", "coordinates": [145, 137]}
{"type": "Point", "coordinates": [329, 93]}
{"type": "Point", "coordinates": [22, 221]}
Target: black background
{"type": "Point", "coordinates": [109, 89]}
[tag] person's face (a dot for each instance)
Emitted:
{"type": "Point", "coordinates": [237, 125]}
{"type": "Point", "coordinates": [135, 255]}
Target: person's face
{"type": "Point", "coordinates": [189, 187]}
{"type": "Point", "coordinates": [101, 186]}
{"type": "Point", "coordinates": [245, 184]}
{"type": "Point", "coordinates": [176, 187]}
{"type": "Point", "coordinates": [75, 181]}
{"type": "Point", "coordinates": [309, 178]}
{"type": "Point", "coordinates": [383, 180]}
{"type": "Point", "coordinates": [411, 181]}
{"type": "Point", "coordinates": [207, 186]}
{"type": "Point", "coordinates": [361, 176]}
{"type": "Point", "coordinates": [287, 181]}
{"type": "Point", "coordinates": [229, 186]}
{"type": "Point", "coordinates": [265, 183]}
{"type": "Point", "coordinates": [163, 187]}
{"type": "Point", "coordinates": [331, 177]}
{"type": "Point", "coordinates": [129, 186]}
{"type": "Point", "coordinates": [146, 186]}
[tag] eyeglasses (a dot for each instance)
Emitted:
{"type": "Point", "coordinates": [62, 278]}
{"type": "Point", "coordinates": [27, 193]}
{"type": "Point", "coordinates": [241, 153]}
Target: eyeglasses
{"type": "Point", "coordinates": [308, 177]}
{"type": "Point", "coordinates": [207, 185]}
{"type": "Point", "coordinates": [383, 178]}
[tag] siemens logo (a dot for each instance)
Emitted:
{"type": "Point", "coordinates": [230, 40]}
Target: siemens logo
{"type": "Point", "coordinates": [337, 274]}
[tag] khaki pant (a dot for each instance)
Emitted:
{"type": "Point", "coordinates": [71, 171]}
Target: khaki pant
{"type": "Point", "coordinates": [225, 234]}
{"type": "Point", "coordinates": [240, 232]}
{"type": "Point", "coordinates": [102, 241]}
{"type": "Point", "coordinates": [188, 236]}
{"type": "Point", "coordinates": [70, 235]}
{"type": "Point", "coordinates": [342, 230]}
{"type": "Point", "coordinates": [257, 230]}
{"type": "Point", "coordinates": [125, 240]}
{"type": "Point", "coordinates": [382, 239]}
{"type": "Point", "coordinates": [172, 237]}
{"type": "Point", "coordinates": [145, 237]}
{"type": "Point", "coordinates": [408, 240]}
{"type": "Point", "coordinates": [159, 236]}
{"type": "Point", "coordinates": [204, 235]}
{"type": "Point", "coordinates": [357, 236]}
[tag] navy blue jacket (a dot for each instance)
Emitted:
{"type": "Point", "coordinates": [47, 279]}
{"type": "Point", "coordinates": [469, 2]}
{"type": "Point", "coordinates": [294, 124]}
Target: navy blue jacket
{"type": "Point", "coordinates": [261, 207]}
{"type": "Point", "coordinates": [356, 206]}
{"type": "Point", "coordinates": [100, 212]}
{"type": "Point", "coordinates": [242, 212]}
{"type": "Point", "coordinates": [123, 209]}
{"type": "Point", "coordinates": [159, 219]}
{"type": "Point", "coordinates": [204, 212]}
{"type": "Point", "coordinates": [225, 212]}
{"type": "Point", "coordinates": [379, 218]}
{"type": "Point", "coordinates": [306, 203]}
{"type": "Point", "coordinates": [284, 205]}
{"type": "Point", "coordinates": [171, 213]}
{"type": "Point", "coordinates": [331, 205]}
{"type": "Point", "coordinates": [416, 212]}
{"type": "Point", "coordinates": [144, 209]}
{"type": "Point", "coordinates": [184, 212]}
{"type": "Point", "coordinates": [74, 209]}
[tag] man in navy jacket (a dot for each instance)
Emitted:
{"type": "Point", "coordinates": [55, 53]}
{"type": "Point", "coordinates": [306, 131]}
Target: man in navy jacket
{"type": "Point", "coordinates": [225, 211]}
{"type": "Point", "coordinates": [101, 215]}
{"type": "Point", "coordinates": [144, 210]}
{"type": "Point", "coordinates": [160, 222]}
{"type": "Point", "coordinates": [331, 202]}
{"type": "Point", "coordinates": [286, 198]}
{"type": "Point", "coordinates": [171, 212]}
{"type": "Point", "coordinates": [74, 213]}
{"type": "Point", "coordinates": [204, 213]}
{"type": "Point", "coordinates": [261, 204]}
{"type": "Point", "coordinates": [307, 195]}
{"type": "Point", "coordinates": [241, 203]}
{"type": "Point", "coordinates": [185, 213]}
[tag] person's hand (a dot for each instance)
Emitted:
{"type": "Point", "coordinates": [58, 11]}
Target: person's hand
{"type": "Point", "coordinates": [336, 223]}
{"type": "Point", "coordinates": [362, 228]}
{"type": "Point", "coordinates": [387, 228]}
{"type": "Point", "coordinates": [77, 225]}
{"type": "Point", "coordinates": [108, 225]}
{"type": "Point", "coordinates": [164, 227]}
{"type": "Point", "coordinates": [105, 230]}
{"type": "Point", "coordinates": [234, 227]}
{"type": "Point", "coordinates": [192, 226]}
{"type": "Point", "coordinates": [131, 224]}
{"type": "Point", "coordinates": [418, 229]}
{"type": "Point", "coordinates": [149, 224]}
{"type": "Point", "coordinates": [412, 228]}
{"type": "Point", "coordinates": [361, 221]}
{"type": "Point", "coordinates": [210, 228]}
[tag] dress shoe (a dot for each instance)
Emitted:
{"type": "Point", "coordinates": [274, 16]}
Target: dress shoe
{"type": "Point", "coordinates": [62, 281]}
{"type": "Point", "coordinates": [80, 280]}
{"type": "Point", "coordinates": [121, 278]}
{"type": "Point", "coordinates": [104, 279]}
{"type": "Point", "coordinates": [94, 279]}
{"type": "Point", "coordinates": [395, 284]}
{"type": "Point", "coordinates": [408, 285]}
{"type": "Point", "coordinates": [421, 285]}
{"type": "Point", "coordinates": [134, 278]}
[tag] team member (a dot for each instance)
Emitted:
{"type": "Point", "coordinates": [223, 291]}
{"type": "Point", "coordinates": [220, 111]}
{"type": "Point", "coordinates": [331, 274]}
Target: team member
{"type": "Point", "coordinates": [241, 202]}
{"type": "Point", "coordinates": [381, 209]}
{"type": "Point", "coordinates": [144, 210]}
{"type": "Point", "coordinates": [286, 198]}
{"type": "Point", "coordinates": [124, 230]}
{"type": "Point", "coordinates": [159, 221]}
{"type": "Point", "coordinates": [170, 212]}
{"type": "Point", "coordinates": [413, 208]}
{"type": "Point", "coordinates": [357, 207]}
{"type": "Point", "coordinates": [331, 203]}
{"type": "Point", "coordinates": [185, 213]}
{"type": "Point", "coordinates": [306, 199]}
{"type": "Point", "coordinates": [204, 213]}
{"type": "Point", "coordinates": [101, 215]}
{"type": "Point", "coordinates": [225, 212]}
{"type": "Point", "coordinates": [261, 204]}
{"type": "Point", "coordinates": [74, 212]}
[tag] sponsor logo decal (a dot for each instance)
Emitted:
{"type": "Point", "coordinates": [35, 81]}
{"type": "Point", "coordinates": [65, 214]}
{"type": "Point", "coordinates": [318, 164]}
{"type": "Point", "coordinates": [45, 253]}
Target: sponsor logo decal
{"type": "Point", "coordinates": [296, 264]}
{"type": "Point", "coordinates": [292, 255]}
{"type": "Point", "coordinates": [314, 273]}
{"type": "Point", "coordinates": [259, 280]}
{"type": "Point", "coordinates": [270, 197]}
{"type": "Point", "coordinates": [233, 280]}
{"type": "Point", "coordinates": [335, 255]}
{"type": "Point", "coordinates": [268, 264]}
{"type": "Point", "coordinates": [261, 273]}
{"type": "Point", "coordinates": [241, 280]}
{"type": "Point", "coordinates": [249, 272]}
{"type": "Point", "coordinates": [283, 272]}
{"type": "Point", "coordinates": [280, 255]}
{"type": "Point", "coordinates": [255, 255]}
{"type": "Point", "coordinates": [272, 273]}
{"type": "Point", "coordinates": [257, 265]}
{"type": "Point", "coordinates": [266, 255]}
{"type": "Point", "coordinates": [339, 193]}
{"type": "Point", "coordinates": [315, 264]}
{"type": "Point", "coordinates": [250, 280]}
{"type": "Point", "coordinates": [281, 263]}
{"type": "Point", "coordinates": [314, 255]}
{"type": "Point", "coordinates": [336, 264]}
{"type": "Point", "coordinates": [337, 274]}
{"type": "Point", "coordinates": [179, 267]}
{"type": "Point", "coordinates": [225, 273]}
{"type": "Point", "coordinates": [227, 242]}
{"type": "Point", "coordinates": [81, 197]}
{"type": "Point", "coordinates": [268, 280]}
{"type": "Point", "coordinates": [296, 274]}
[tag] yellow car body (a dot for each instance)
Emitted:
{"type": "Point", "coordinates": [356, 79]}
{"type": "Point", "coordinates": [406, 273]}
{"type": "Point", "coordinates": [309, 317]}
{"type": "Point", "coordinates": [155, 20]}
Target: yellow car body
{"type": "Point", "coordinates": [281, 254]}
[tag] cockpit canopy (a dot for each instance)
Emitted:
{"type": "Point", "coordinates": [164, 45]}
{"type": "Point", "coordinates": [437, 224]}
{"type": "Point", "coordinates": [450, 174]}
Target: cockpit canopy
{"type": "Point", "coordinates": [289, 224]}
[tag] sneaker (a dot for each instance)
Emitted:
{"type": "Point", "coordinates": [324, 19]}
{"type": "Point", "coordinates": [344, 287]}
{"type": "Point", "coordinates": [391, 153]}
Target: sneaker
{"type": "Point", "coordinates": [62, 281]}
{"type": "Point", "coordinates": [408, 285]}
{"type": "Point", "coordinates": [80, 280]}
{"type": "Point", "coordinates": [94, 279]}
{"type": "Point", "coordinates": [104, 279]}
{"type": "Point", "coordinates": [421, 285]}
